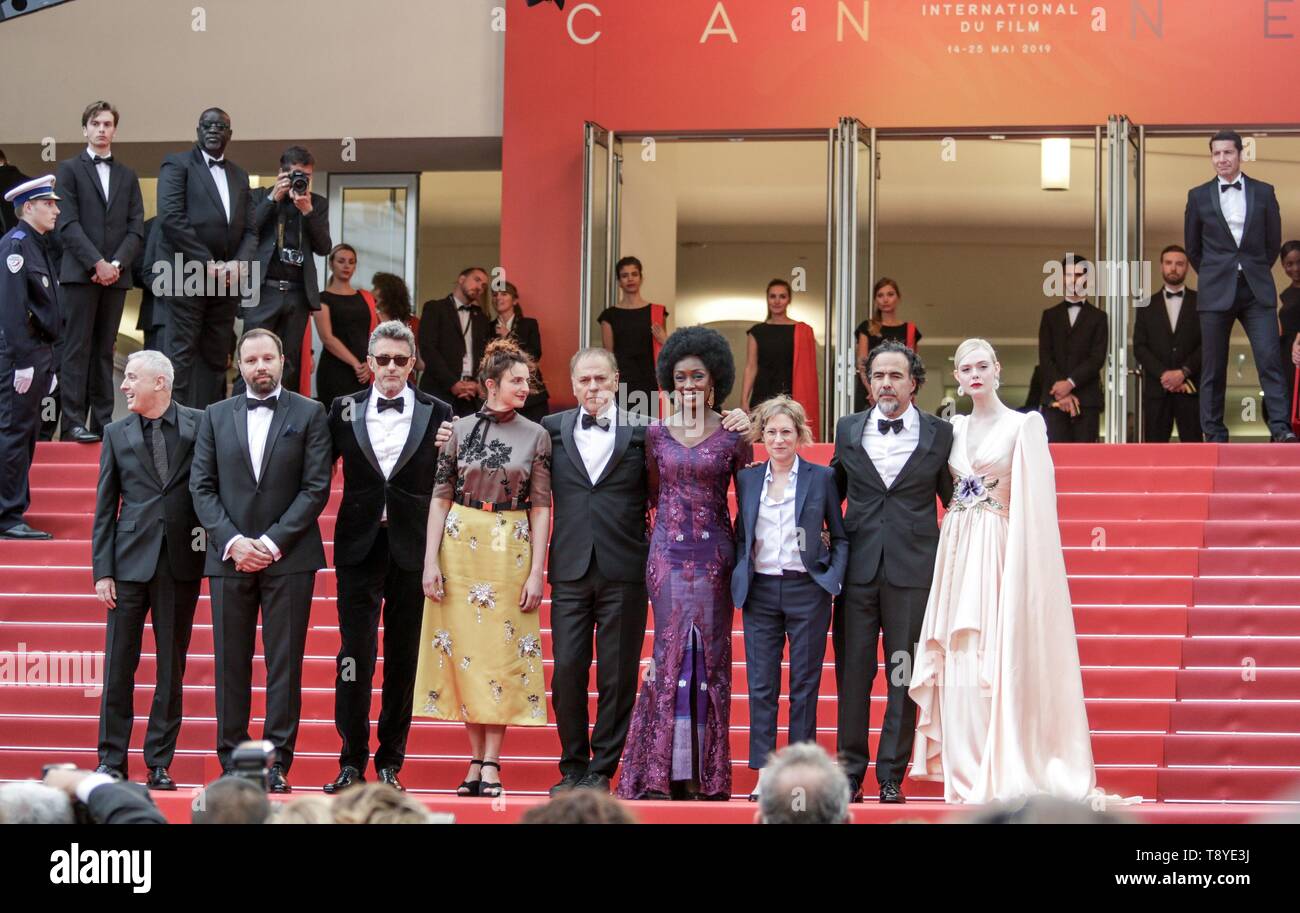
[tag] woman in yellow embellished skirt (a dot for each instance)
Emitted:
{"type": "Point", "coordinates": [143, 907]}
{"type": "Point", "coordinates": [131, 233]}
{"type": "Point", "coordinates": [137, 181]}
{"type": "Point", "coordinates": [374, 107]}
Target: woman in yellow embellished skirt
{"type": "Point", "coordinates": [481, 645]}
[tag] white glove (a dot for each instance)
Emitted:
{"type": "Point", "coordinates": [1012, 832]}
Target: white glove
{"type": "Point", "coordinates": [54, 382]}
{"type": "Point", "coordinates": [23, 379]}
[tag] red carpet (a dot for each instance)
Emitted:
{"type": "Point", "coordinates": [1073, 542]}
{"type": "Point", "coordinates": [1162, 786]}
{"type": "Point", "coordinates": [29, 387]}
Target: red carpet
{"type": "Point", "coordinates": [1184, 566]}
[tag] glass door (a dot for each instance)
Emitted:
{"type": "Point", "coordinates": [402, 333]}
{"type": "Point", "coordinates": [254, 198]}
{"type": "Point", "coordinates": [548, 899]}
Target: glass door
{"type": "Point", "coordinates": [1126, 275]}
{"type": "Point", "coordinates": [379, 215]}
{"type": "Point", "coordinates": [853, 217]}
{"type": "Point", "coordinates": [602, 164]}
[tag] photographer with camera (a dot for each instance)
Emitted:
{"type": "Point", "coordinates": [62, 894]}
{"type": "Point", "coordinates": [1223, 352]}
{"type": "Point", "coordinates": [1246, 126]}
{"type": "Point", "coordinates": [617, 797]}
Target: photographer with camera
{"type": "Point", "coordinates": [292, 227]}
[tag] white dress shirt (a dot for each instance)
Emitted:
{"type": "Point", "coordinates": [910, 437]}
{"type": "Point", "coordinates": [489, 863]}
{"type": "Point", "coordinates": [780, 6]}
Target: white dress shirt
{"type": "Point", "coordinates": [890, 451]}
{"type": "Point", "coordinates": [219, 178]}
{"type": "Point", "coordinates": [1233, 204]}
{"type": "Point", "coordinates": [101, 168]}
{"type": "Point", "coordinates": [259, 426]}
{"type": "Point", "coordinates": [467, 331]}
{"type": "Point", "coordinates": [1072, 309]}
{"type": "Point", "coordinates": [776, 545]}
{"type": "Point", "coordinates": [388, 431]}
{"type": "Point", "coordinates": [595, 446]}
{"type": "Point", "coordinates": [1174, 306]}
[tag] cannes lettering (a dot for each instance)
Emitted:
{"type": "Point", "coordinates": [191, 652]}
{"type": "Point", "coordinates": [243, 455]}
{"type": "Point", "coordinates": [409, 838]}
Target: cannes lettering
{"type": "Point", "coordinates": [78, 866]}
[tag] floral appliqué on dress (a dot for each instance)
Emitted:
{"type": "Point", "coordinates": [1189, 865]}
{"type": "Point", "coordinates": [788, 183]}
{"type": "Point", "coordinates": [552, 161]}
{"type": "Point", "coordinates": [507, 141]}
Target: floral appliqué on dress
{"type": "Point", "coordinates": [452, 526]}
{"type": "Point", "coordinates": [973, 491]}
{"type": "Point", "coordinates": [442, 646]}
{"type": "Point", "coordinates": [482, 596]}
{"type": "Point", "coordinates": [530, 647]}
{"type": "Point", "coordinates": [431, 705]}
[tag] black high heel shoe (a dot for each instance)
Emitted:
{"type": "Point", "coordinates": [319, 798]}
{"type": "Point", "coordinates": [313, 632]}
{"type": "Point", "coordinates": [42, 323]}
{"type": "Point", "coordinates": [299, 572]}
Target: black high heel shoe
{"type": "Point", "coordinates": [491, 790]}
{"type": "Point", "coordinates": [471, 787]}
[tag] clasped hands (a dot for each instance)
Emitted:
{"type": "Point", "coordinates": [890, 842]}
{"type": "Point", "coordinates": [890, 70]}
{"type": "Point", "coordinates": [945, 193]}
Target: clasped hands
{"type": "Point", "coordinates": [250, 555]}
{"type": "Point", "coordinates": [1065, 400]}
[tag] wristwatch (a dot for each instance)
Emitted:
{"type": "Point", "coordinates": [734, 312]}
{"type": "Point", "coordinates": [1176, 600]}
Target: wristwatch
{"type": "Point", "coordinates": [116, 264]}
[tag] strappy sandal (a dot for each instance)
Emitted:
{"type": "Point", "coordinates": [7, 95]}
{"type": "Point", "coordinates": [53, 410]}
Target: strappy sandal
{"type": "Point", "coordinates": [491, 790]}
{"type": "Point", "coordinates": [471, 787]}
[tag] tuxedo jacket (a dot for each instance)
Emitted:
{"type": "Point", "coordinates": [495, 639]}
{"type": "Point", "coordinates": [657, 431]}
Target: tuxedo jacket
{"type": "Point", "coordinates": [903, 517]}
{"type": "Point", "coordinates": [191, 218]}
{"type": "Point", "coordinates": [315, 239]}
{"type": "Point", "coordinates": [406, 492]}
{"type": "Point", "coordinates": [1077, 352]}
{"type": "Point", "coordinates": [1159, 349]}
{"type": "Point", "coordinates": [604, 517]}
{"type": "Point", "coordinates": [92, 227]}
{"type": "Point", "coordinates": [442, 344]}
{"type": "Point", "coordinates": [133, 507]}
{"type": "Point", "coordinates": [1213, 251]}
{"type": "Point", "coordinates": [526, 333]}
{"type": "Point", "coordinates": [816, 508]}
{"type": "Point", "coordinates": [284, 504]}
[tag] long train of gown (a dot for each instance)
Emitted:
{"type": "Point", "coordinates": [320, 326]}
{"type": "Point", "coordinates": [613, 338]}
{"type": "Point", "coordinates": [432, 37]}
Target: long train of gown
{"type": "Point", "coordinates": [997, 680]}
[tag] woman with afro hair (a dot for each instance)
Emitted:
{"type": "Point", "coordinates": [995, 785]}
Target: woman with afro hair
{"type": "Point", "coordinates": [678, 743]}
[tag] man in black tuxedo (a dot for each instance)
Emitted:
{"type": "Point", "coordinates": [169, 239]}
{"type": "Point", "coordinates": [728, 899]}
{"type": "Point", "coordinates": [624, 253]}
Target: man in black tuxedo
{"type": "Point", "coordinates": [260, 479]}
{"type": "Point", "coordinates": [454, 331]}
{"type": "Point", "coordinates": [1071, 354]}
{"type": "Point", "coordinates": [1233, 233]}
{"type": "Point", "coordinates": [207, 232]}
{"type": "Point", "coordinates": [142, 278]}
{"type": "Point", "coordinates": [891, 463]}
{"type": "Point", "coordinates": [10, 177]}
{"type": "Point", "coordinates": [1167, 344]}
{"type": "Point", "coordinates": [145, 561]}
{"type": "Point", "coordinates": [101, 225]}
{"type": "Point", "coordinates": [292, 228]}
{"type": "Point", "coordinates": [386, 437]}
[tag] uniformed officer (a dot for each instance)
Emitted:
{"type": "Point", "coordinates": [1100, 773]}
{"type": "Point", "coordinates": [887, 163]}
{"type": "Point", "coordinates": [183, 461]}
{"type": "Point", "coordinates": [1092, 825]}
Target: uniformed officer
{"type": "Point", "coordinates": [29, 324]}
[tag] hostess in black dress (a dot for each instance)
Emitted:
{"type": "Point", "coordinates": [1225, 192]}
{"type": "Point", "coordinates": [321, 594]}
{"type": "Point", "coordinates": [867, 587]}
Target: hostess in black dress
{"type": "Point", "coordinates": [1289, 317]}
{"type": "Point", "coordinates": [633, 348]}
{"type": "Point", "coordinates": [775, 343]}
{"type": "Point", "coordinates": [350, 322]}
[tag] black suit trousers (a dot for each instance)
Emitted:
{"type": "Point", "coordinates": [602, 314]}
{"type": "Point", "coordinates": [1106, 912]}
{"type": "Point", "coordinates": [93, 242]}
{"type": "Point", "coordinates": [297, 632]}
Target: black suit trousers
{"type": "Point", "coordinates": [285, 601]}
{"type": "Point", "coordinates": [1159, 415]}
{"type": "Point", "coordinates": [20, 422]}
{"type": "Point", "coordinates": [362, 589]}
{"type": "Point", "coordinates": [1063, 428]}
{"type": "Point", "coordinates": [863, 612]}
{"type": "Point", "coordinates": [615, 613]}
{"type": "Point", "coordinates": [779, 607]}
{"type": "Point", "coordinates": [197, 331]}
{"type": "Point", "coordinates": [91, 315]}
{"type": "Point", "coordinates": [284, 314]}
{"type": "Point", "coordinates": [1260, 322]}
{"type": "Point", "coordinates": [170, 604]}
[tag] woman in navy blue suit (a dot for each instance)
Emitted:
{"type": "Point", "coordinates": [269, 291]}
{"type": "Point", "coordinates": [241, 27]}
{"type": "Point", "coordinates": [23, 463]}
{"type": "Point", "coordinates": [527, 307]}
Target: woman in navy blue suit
{"type": "Point", "coordinates": [791, 552]}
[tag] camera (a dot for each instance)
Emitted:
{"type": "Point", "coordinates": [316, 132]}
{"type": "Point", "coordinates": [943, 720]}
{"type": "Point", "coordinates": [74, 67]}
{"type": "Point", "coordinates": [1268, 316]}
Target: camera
{"type": "Point", "coordinates": [299, 181]}
{"type": "Point", "coordinates": [291, 257]}
{"type": "Point", "coordinates": [252, 761]}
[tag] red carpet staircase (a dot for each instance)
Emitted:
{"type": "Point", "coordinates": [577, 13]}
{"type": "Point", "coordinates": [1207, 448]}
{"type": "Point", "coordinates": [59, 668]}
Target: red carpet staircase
{"type": "Point", "coordinates": [1184, 566]}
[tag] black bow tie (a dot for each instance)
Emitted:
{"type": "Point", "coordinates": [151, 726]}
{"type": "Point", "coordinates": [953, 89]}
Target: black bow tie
{"type": "Point", "coordinates": [1169, 294]}
{"type": "Point", "coordinates": [217, 163]}
{"type": "Point", "coordinates": [886, 426]}
{"type": "Point", "coordinates": [268, 403]}
{"type": "Point", "coordinates": [588, 420]}
{"type": "Point", "coordinates": [1236, 185]}
{"type": "Point", "coordinates": [465, 307]}
{"type": "Point", "coordinates": [102, 159]}
{"type": "Point", "coordinates": [398, 403]}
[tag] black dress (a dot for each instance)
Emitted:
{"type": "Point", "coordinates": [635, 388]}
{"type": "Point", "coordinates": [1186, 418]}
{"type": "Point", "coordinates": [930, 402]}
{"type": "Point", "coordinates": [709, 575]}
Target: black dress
{"type": "Point", "coordinates": [1289, 317]}
{"type": "Point", "coordinates": [775, 343]}
{"type": "Point", "coordinates": [350, 323]}
{"type": "Point", "coordinates": [898, 334]}
{"type": "Point", "coordinates": [633, 348]}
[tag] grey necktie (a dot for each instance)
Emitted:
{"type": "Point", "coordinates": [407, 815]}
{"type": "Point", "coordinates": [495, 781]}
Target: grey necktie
{"type": "Point", "coordinates": [159, 449]}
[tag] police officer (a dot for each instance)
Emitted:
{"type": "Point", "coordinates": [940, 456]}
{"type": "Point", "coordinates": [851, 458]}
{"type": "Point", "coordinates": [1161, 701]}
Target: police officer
{"type": "Point", "coordinates": [29, 324]}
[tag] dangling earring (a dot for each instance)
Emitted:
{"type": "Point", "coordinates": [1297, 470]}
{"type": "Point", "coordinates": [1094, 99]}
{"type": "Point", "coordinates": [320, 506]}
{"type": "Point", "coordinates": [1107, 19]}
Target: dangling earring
{"type": "Point", "coordinates": [997, 382]}
{"type": "Point", "coordinates": [960, 391]}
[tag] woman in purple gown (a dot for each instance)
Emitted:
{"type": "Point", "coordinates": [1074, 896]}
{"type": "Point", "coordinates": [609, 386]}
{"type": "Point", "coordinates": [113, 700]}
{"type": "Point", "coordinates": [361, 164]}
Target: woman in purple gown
{"type": "Point", "coordinates": [678, 745]}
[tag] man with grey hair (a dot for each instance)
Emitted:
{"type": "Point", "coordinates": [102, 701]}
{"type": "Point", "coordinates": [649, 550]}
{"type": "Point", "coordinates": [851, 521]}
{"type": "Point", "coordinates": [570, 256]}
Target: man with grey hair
{"type": "Point", "coordinates": [28, 802]}
{"type": "Point", "coordinates": [386, 437]}
{"type": "Point", "coordinates": [801, 784]}
{"type": "Point", "coordinates": [147, 555]}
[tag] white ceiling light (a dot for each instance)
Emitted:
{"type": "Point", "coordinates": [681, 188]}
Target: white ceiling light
{"type": "Point", "coordinates": [1056, 163]}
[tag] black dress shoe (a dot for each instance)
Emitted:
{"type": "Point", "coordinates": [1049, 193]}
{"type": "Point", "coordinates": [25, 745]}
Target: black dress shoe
{"type": "Point", "coordinates": [160, 779]}
{"type": "Point", "coordinates": [389, 775]}
{"type": "Point", "coordinates": [889, 793]}
{"type": "Point", "coordinates": [111, 771]}
{"type": "Point", "coordinates": [347, 776]}
{"type": "Point", "coordinates": [275, 781]}
{"type": "Point", "coordinates": [81, 435]}
{"type": "Point", "coordinates": [598, 782]}
{"type": "Point", "coordinates": [855, 789]}
{"type": "Point", "coordinates": [21, 530]}
{"type": "Point", "coordinates": [566, 784]}
{"type": "Point", "coordinates": [1286, 437]}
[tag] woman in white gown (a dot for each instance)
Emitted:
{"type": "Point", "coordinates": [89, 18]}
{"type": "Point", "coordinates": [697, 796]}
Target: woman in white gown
{"type": "Point", "coordinates": [997, 681]}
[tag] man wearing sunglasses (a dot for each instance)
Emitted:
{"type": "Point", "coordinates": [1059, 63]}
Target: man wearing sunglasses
{"type": "Point", "coordinates": [386, 437]}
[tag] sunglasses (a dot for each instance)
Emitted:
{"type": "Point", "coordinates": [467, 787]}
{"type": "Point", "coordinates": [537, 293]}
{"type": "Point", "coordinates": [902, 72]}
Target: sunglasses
{"type": "Point", "coordinates": [399, 360]}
